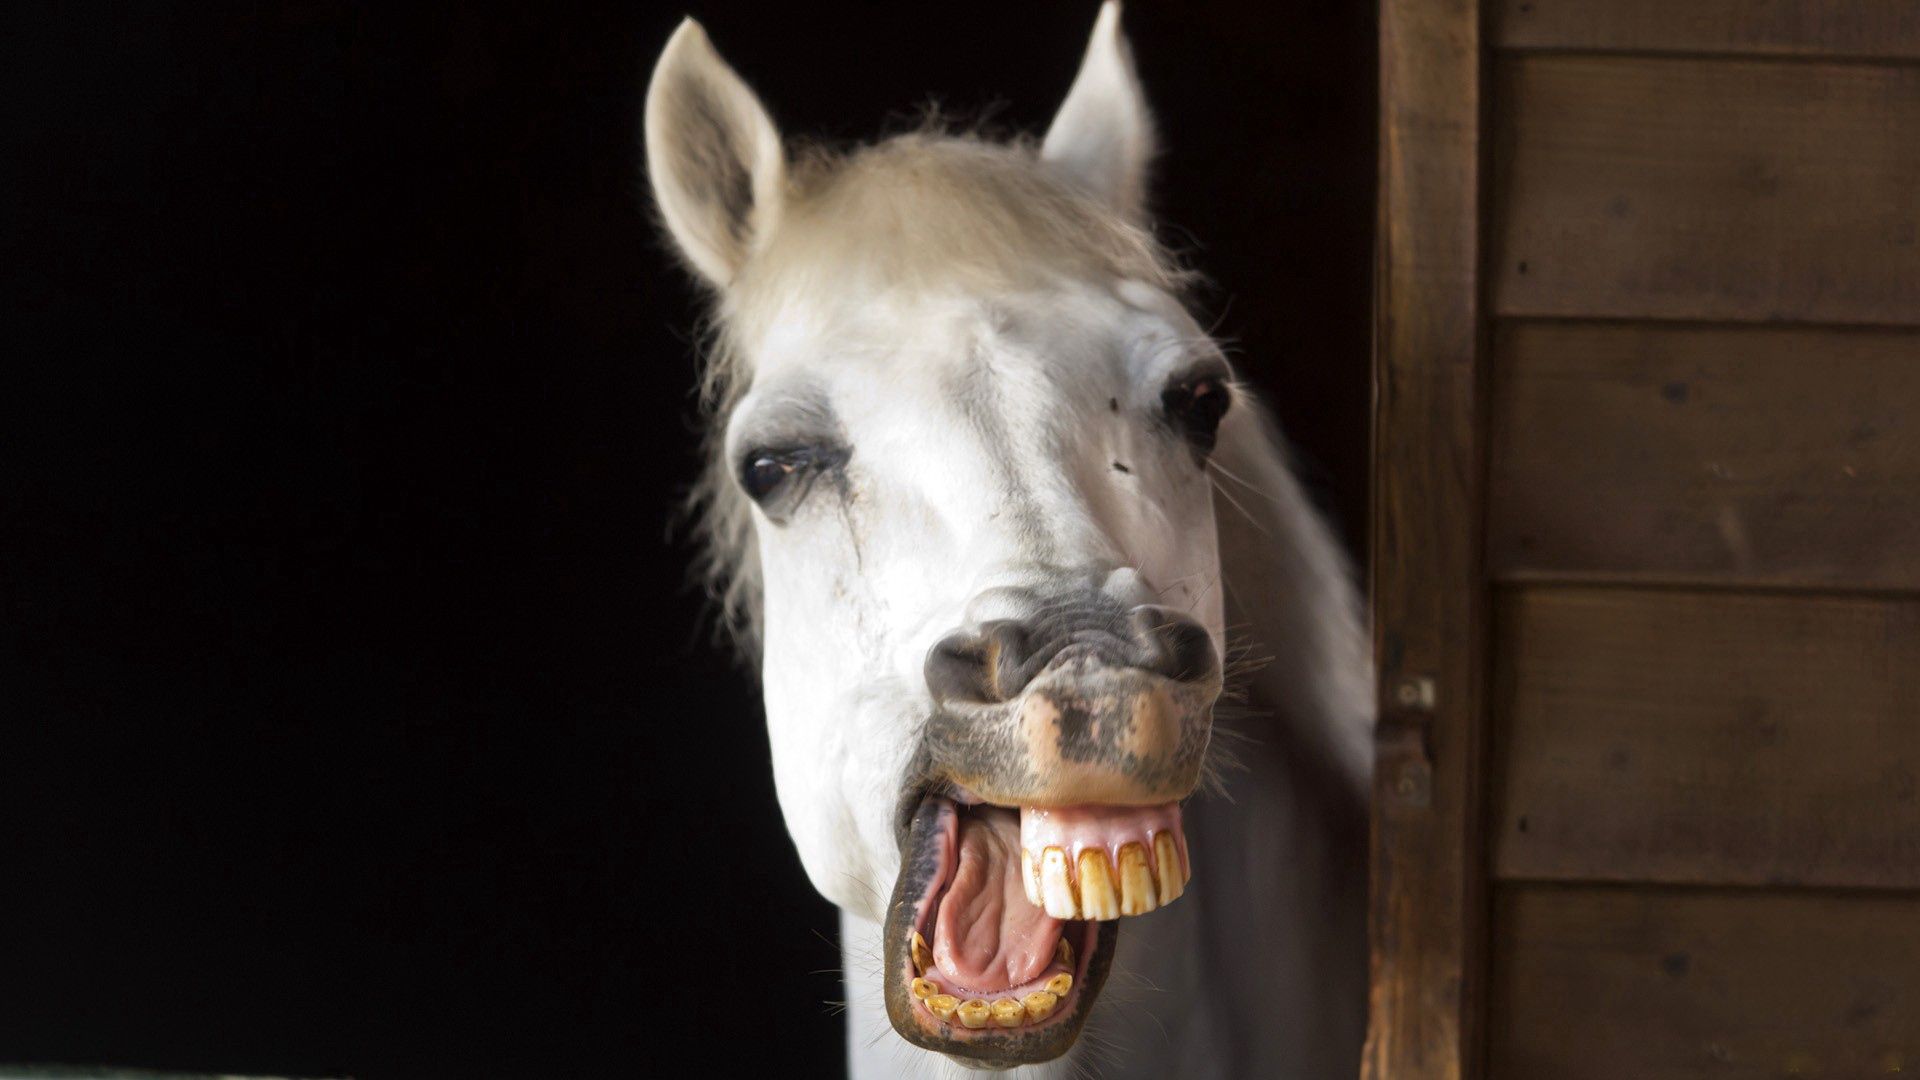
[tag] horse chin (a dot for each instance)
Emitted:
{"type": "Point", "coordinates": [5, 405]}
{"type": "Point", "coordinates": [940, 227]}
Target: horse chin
{"type": "Point", "coordinates": [1025, 1004]}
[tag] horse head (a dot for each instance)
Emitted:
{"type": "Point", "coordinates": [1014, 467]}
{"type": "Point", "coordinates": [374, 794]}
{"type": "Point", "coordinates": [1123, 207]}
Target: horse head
{"type": "Point", "coordinates": [960, 507]}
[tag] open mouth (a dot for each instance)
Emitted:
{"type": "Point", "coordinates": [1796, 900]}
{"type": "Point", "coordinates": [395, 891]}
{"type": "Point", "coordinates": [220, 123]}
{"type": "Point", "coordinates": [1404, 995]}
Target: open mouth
{"type": "Point", "coordinates": [1002, 924]}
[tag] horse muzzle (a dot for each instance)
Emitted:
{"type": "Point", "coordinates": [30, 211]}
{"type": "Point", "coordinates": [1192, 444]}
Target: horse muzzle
{"type": "Point", "coordinates": [1115, 713]}
{"type": "Point", "coordinates": [1049, 808]}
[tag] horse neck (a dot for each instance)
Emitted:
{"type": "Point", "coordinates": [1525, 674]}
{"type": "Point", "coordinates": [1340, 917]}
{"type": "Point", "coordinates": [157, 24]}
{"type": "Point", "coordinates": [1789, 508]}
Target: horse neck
{"type": "Point", "coordinates": [1261, 969]}
{"type": "Point", "coordinates": [1290, 595]}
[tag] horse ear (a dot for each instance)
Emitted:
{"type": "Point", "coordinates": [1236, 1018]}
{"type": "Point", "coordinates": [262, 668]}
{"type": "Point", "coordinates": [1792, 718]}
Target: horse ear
{"type": "Point", "coordinates": [1102, 136]}
{"type": "Point", "coordinates": [713, 156]}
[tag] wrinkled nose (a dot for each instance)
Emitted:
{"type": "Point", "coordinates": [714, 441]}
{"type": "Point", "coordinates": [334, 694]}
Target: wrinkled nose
{"type": "Point", "coordinates": [997, 660]}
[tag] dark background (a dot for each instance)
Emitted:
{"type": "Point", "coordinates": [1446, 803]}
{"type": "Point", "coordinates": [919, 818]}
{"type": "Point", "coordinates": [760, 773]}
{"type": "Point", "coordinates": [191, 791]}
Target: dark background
{"type": "Point", "coordinates": [356, 716]}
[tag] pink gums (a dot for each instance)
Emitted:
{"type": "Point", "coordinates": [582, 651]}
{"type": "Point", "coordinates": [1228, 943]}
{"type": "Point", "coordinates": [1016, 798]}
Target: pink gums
{"type": "Point", "coordinates": [1107, 828]}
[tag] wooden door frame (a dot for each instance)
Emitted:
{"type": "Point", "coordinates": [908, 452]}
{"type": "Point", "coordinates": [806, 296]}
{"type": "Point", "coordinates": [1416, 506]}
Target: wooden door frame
{"type": "Point", "coordinates": [1430, 596]}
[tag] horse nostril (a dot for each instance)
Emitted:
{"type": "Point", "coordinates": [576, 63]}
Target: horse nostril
{"type": "Point", "coordinates": [982, 668]}
{"type": "Point", "coordinates": [1173, 644]}
{"type": "Point", "coordinates": [996, 662]}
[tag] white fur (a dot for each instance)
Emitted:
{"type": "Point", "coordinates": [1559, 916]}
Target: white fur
{"type": "Point", "coordinates": [989, 328]}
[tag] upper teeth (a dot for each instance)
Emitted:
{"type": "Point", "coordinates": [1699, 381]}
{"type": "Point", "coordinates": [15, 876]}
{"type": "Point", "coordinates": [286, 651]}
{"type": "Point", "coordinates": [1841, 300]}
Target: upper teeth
{"type": "Point", "coordinates": [1091, 888]}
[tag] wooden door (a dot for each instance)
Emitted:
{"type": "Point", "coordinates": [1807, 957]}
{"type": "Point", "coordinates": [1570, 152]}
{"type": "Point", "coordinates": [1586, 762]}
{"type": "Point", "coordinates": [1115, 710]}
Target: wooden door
{"type": "Point", "coordinates": [1646, 552]}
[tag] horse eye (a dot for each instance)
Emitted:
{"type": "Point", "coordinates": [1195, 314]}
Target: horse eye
{"type": "Point", "coordinates": [785, 475]}
{"type": "Point", "coordinates": [765, 470]}
{"type": "Point", "coordinates": [1195, 406]}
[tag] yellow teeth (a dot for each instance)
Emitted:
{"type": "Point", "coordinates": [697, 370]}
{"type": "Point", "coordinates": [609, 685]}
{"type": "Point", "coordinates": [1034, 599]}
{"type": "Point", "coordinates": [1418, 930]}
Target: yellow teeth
{"type": "Point", "coordinates": [975, 1013]}
{"type": "Point", "coordinates": [1173, 880]}
{"type": "Point", "coordinates": [1098, 900]}
{"type": "Point", "coordinates": [1006, 1012]}
{"type": "Point", "coordinates": [922, 956]}
{"type": "Point", "coordinates": [1056, 889]}
{"type": "Point", "coordinates": [1040, 1005]}
{"type": "Point", "coordinates": [1063, 954]}
{"type": "Point", "coordinates": [1136, 881]}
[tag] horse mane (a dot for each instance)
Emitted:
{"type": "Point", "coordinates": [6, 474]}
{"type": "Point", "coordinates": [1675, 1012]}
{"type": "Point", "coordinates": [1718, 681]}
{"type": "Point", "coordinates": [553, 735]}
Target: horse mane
{"type": "Point", "coordinates": [923, 211]}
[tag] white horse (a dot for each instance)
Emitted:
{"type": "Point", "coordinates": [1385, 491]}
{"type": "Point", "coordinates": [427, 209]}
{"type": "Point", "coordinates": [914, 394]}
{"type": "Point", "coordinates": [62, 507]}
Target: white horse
{"type": "Point", "coordinates": [984, 502]}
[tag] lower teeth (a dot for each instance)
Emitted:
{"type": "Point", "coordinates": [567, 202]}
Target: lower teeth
{"type": "Point", "coordinates": [922, 956]}
{"type": "Point", "coordinates": [1006, 1012]}
{"type": "Point", "coordinates": [975, 1013]}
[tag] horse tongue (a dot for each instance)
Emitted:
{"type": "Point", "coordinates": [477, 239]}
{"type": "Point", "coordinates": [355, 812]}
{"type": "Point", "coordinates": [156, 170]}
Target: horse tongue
{"type": "Point", "coordinates": [987, 934]}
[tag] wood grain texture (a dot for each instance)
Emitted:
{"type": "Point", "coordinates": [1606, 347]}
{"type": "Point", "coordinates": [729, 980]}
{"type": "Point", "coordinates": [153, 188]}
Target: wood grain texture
{"type": "Point", "coordinates": [1708, 737]}
{"type": "Point", "coordinates": [1656, 984]}
{"type": "Point", "coordinates": [1711, 190]}
{"type": "Point", "coordinates": [1427, 907]}
{"type": "Point", "coordinates": [1886, 29]}
{"type": "Point", "coordinates": [1726, 455]}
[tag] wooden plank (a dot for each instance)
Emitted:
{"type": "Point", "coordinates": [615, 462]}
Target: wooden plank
{"type": "Point", "coordinates": [1713, 738]}
{"type": "Point", "coordinates": [1654, 984]}
{"type": "Point", "coordinates": [1863, 29]}
{"type": "Point", "coordinates": [1427, 910]}
{"type": "Point", "coordinates": [1722, 454]}
{"type": "Point", "coordinates": [1709, 190]}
